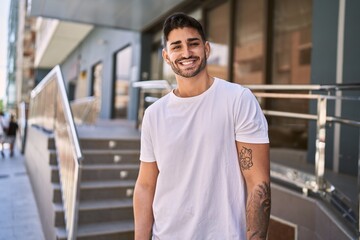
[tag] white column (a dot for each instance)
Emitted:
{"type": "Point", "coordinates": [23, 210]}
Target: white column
{"type": "Point", "coordinates": [339, 80]}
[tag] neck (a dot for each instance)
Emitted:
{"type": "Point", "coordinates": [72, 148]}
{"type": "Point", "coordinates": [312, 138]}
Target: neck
{"type": "Point", "coordinates": [190, 87]}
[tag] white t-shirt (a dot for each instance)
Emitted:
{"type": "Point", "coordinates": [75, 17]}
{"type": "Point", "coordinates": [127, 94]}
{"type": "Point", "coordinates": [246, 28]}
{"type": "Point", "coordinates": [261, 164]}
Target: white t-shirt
{"type": "Point", "coordinates": [200, 192]}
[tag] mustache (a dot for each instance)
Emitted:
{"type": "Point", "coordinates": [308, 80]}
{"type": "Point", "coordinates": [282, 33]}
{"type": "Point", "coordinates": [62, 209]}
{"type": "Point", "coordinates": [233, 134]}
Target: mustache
{"type": "Point", "coordinates": [188, 58]}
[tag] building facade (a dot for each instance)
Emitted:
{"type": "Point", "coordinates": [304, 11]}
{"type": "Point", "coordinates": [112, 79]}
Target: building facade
{"type": "Point", "coordinates": [253, 42]}
{"type": "Point", "coordinates": [21, 55]}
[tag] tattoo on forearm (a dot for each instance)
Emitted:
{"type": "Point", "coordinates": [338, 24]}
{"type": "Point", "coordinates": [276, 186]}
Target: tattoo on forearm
{"type": "Point", "coordinates": [245, 158]}
{"type": "Point", "coordinates": [258, 211]}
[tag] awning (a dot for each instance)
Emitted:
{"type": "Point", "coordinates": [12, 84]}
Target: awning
{"type": "Point", "coordinates": [125, 14]}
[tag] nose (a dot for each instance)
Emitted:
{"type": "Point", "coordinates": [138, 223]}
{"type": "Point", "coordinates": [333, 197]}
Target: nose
{"type": "Point", "coordinates": [186, 51]}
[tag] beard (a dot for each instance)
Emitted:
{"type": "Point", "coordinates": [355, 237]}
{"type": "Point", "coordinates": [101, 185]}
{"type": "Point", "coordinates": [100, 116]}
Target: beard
{"type": "Point", "coordinates": [188, 73]}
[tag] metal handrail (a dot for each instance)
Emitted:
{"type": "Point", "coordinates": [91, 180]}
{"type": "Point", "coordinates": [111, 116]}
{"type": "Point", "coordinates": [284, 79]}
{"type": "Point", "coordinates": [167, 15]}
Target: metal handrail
{"type": "Point", "coordinates": [85, 110]}
{"type": "Point", "coordinates": [153, 84]}
{"type": "Point", "coordinates": [322, 119]}
{"type": "Point", "coordinates": [305, 87]}
{"type": "Point", "coordinates": [50, 110]}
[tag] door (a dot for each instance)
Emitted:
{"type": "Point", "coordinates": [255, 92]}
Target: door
{"type": "Point", "coordinates": [121, 82]}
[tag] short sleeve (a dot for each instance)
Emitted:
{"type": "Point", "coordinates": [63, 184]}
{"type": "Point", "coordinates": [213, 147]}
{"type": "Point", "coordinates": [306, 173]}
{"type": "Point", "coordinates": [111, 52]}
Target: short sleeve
{"type": "Point", "coordinates": [250, 123]}
{"type": "Point", "coordinates": [146, 147]}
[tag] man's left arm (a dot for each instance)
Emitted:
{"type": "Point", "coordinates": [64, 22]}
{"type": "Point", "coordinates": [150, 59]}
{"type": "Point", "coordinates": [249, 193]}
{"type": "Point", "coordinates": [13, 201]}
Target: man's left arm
{"type": "Point", "coordinates": [255, 166]}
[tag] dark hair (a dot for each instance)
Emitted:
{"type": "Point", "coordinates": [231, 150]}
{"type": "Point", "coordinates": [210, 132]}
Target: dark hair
{"type": "Point", "coordinates": [181, 20]}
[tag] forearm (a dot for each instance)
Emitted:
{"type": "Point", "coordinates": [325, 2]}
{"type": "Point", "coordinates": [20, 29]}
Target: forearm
{"type": "Point", "coordinates": [258, 210]}
{"type": "Point", "coordinates": [143, 214]}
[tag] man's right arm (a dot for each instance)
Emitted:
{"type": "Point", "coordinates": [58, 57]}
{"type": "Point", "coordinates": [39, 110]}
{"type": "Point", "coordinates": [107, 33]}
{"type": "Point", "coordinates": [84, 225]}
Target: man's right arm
{"type": "Point", "coordinates": [143, 200]}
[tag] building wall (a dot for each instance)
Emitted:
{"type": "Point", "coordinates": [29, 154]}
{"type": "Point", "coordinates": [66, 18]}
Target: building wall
{"type": "Point", "coordinates": [20, 68]}
{"type": "Point", "coordinates": [323, 64]}
{"type": "Point", "coordinates": [315, 221]}
{"type": "Point", "coordinates": [349, 136]}
{"type": "Point", "coordinates": [100, 46]}
{"type": "Point", "coordinates": [341, 142]}
{"type": "Point", "coordinates": [12, 55]}
{"type": "Point", "coordinates": [25, 78]}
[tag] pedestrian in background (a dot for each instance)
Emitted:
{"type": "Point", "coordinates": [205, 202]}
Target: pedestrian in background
{"type": "Point", "coordinates": [3, 130]}
{"type": "Point", "coordinates": [11, 134]}
{"type": "Point", "coordinates": [205, 171]}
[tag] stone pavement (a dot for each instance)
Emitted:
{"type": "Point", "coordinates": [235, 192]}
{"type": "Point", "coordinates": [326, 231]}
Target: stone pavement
{"type": "Point", "coordinates": [19, 219]}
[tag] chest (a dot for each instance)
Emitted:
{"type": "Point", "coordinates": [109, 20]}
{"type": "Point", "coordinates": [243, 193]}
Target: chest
{"type": "Point", "coordinates": [203, 125]}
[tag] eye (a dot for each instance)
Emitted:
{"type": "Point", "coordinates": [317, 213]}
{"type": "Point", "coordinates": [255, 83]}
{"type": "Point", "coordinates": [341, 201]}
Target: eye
{"type": "Point", "coordinates": [194, 44]}
{"type": "Point", "coordinates": [176, 47]}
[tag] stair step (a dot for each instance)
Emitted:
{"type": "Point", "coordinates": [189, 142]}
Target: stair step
{"type": "Point", "coordinates": [55, 177]}
{"type": "Point", "coordinates": [105, 211]}
{"type": "Point", "coordinates": [99, 211]}
{"type": "Point", "coordinates": [100, 190]}
{"type": "Point", "coordinates": [60, 233]}
{"type": "Point", "coordinates": [53, 157]}
{"type": "Point", "coordinates": [107, 172]}
{"type": "Point", "coordinates": [110, 167]}
{"type": "Point", "coordinates": [114, 156]}
{"type": "Point", "coordinates": [123, 230]}
{"type": "Point", "coordinates": [111, 151]}
{"type": "Point", "coordinates": [57, 197]}
{"type": "Point", "coordinates": [110, 144]}
{"type": "Point", "coordinates": [106, 190]}
{"type": "Point", "coordinates": [105, 204]}
{"type": "Point", "coordinates": [107, 184]}
{"type": "Point", "coordinates": [59, 215]}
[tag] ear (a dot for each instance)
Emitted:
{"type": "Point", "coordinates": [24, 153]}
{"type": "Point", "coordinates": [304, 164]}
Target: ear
{"type": "Point", "coordinates": [165, 56]}
{"type": "Point", "coordinates": [207, 49]}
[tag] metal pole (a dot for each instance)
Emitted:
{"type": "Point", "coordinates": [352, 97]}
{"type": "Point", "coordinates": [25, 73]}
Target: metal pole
{"type": "Point", "coordinates": [320, 143]}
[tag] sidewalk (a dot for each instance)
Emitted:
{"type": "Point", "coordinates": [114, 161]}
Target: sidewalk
{"type": "Point", "coordinates": [19, 219]}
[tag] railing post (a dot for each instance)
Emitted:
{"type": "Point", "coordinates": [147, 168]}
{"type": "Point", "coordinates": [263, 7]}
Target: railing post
{"type": "Point", "coordinates": [320, 142]}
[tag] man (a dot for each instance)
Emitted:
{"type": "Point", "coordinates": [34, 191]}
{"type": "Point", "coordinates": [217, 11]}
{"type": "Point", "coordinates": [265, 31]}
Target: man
{"type": "Point", "coordinates": [11, 134]}
{"type": "Point", "coordinates": [3, 129]}
{"type": "Point", "coordinates": [204, 171]}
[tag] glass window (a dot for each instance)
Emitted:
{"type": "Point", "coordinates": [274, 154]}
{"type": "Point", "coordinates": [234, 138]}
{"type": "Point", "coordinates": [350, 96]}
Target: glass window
{"type": "Point", "coordinates": [156, 62]}
{"type": "Point", "coordinates": [218, 26]}
{"type": "Point", "coordinates": [291, 65]}
{"type": "Point", "coordinates": [249, 56]}
{"type": "Point", "coordinates": [292, 42]}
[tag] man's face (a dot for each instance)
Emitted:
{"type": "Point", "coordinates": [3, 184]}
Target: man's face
{"type": "Point", "coordinates": [185, 52]}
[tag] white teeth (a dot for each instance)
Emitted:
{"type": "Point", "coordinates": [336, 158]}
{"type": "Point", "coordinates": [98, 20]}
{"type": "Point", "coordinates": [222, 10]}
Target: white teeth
{"type": "Point", "coordinates": [187, 62]}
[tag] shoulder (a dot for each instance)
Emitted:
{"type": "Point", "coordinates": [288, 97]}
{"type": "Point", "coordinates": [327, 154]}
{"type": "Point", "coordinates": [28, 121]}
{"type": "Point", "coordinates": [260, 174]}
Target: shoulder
{"type": "Point", "coordinates": [231, 89]}
{"type": "Point", "coordinates": [158, 105]}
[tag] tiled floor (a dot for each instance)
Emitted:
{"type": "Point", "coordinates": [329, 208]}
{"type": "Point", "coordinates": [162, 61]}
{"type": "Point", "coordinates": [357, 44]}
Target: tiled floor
{"type": "Point", "coordinates": [19, 219]}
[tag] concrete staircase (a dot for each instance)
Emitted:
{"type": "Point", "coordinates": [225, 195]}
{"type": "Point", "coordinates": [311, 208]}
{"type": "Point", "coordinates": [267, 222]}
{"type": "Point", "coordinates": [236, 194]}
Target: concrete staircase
{"type": "Point", "coordinates": [108, 175]}
{"type": "Point", "coordinates": [109, 171]}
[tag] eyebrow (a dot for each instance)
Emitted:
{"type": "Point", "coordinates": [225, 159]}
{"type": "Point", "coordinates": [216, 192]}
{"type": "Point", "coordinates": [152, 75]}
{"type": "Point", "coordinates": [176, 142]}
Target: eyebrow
{"type": "Point", "coordinates": [176, 42]}
{"type": "Point", "coordinates": [193, 39]}
{"type": "Point", "coordinates": [188, 40]}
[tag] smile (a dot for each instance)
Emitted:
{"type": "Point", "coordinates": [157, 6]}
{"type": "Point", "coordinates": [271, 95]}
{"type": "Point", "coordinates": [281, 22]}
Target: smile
{"type": "Point", "coordinates": [186, 62]}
